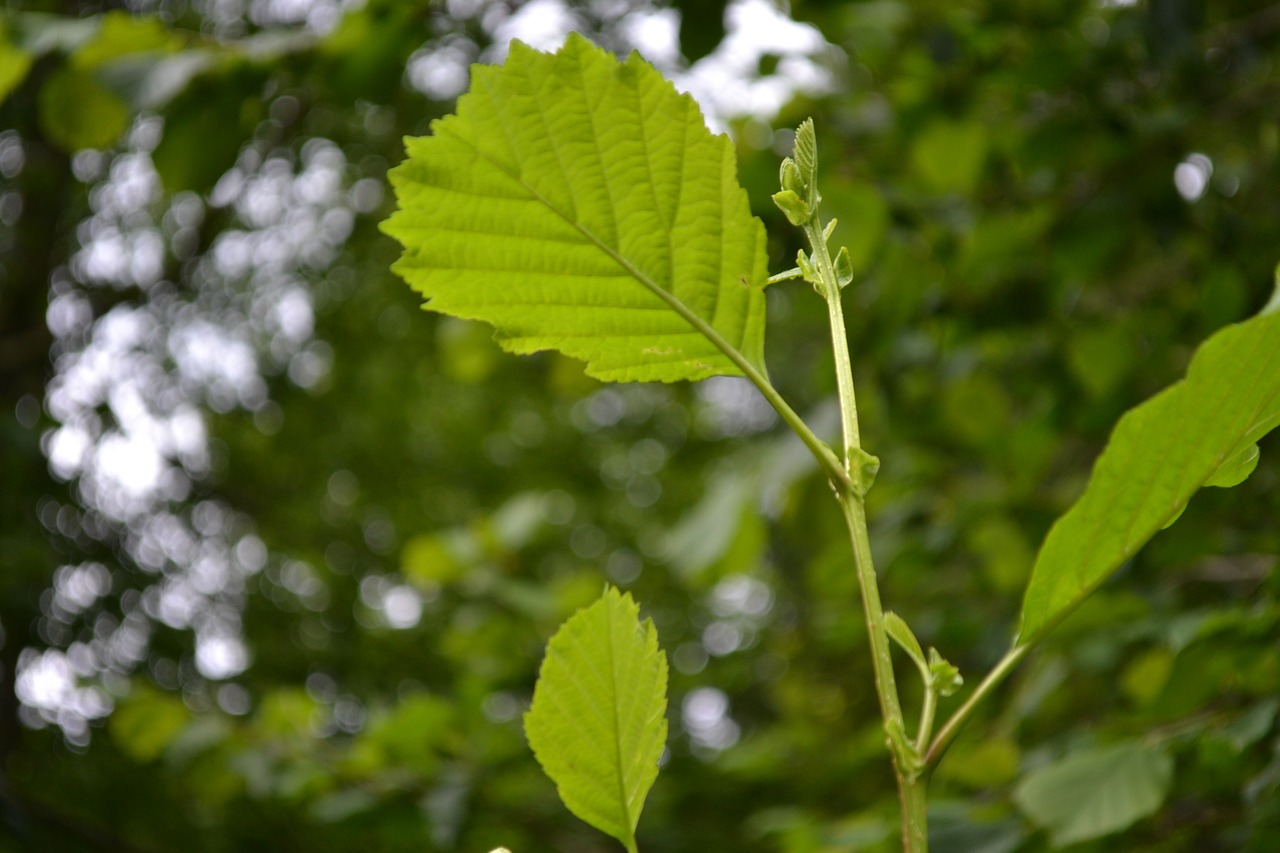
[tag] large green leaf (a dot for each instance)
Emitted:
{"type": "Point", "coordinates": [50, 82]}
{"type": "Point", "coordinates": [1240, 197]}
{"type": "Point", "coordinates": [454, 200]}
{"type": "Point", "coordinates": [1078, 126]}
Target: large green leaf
{"type": "Point", "coordinates": [580, 204]}
{"type": "Point", "coordinates": [598, 721]}
{"type": "Point", "coordinates": [1198, 432]}
{"type": "Point", "coordinates": [1096, 792]}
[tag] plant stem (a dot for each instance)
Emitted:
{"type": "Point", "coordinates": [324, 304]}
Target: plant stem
{"type": "Point", "coordinates": [911, 784]}
{"type": "Point", "coordinates": [961, 715]}
{"type": "Point", "coordinates": [927, 711]}
{"type": "Point", "coordinates": [915, 825]}
{"type": "Point", "coordinates": [839, 339]}
{"type": "Point", "coordinates": [911, 787]}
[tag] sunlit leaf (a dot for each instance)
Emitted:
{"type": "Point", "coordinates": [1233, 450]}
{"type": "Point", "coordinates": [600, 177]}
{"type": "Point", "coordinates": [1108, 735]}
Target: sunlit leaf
{"type": "Point", "coordinates": [1194, 433]}
{"type": "Point", "coordinates": [598, 724]}
{"type": "Point", "coordinates": [1092, 793]}
{"type": "Point", "coordinates": [580, 204]}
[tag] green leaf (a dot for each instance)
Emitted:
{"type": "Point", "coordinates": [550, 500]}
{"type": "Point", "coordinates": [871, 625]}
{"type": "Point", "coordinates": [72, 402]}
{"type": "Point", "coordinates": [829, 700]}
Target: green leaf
{"type": "Point", "coordinates": [121, 34]}
{"type": "Point", "coordinates": [1096, 792]}
{"type": "Point", "coordinates": [598, 724]}
{"type": "Point", "coordinates": [580, 204]}
{"type": "Point", "coordinates": [900, 632]}
{"type": "Point", "coordinates": [14, 64]}
{"type": "Point", "coordinates": [795, 208]}
{"type": "Point", "coordinates": [844, 267]}
{"type": "Point", "coordinates": [76, 111]}
{"type": "Point", "coordinates": [1196, 432]}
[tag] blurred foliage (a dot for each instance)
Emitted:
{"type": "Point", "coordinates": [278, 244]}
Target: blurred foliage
{"type": "Point", "coordinates": [418, 511]}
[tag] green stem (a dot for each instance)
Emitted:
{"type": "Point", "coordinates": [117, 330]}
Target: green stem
{"type": "Point", "coordinates": [927, 711]}
{"type": "Point", "coordinates": [839, 339]}
{"type": "Point", "coordinates": [915, 825]}
{"type": "Point", "coordinates": [961, 715]}
{"type": "Point", "coordinates": [911, 784]}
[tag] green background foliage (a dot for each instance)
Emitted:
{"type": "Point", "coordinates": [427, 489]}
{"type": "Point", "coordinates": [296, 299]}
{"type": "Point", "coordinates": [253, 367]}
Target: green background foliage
{"type": "Point", "coordinates": [1026, 270]}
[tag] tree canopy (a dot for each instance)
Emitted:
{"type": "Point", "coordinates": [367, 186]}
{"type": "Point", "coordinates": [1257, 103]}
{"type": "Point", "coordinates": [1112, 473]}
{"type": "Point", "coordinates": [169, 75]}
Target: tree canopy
{"type": "Point", "coordinates": [281, 553]}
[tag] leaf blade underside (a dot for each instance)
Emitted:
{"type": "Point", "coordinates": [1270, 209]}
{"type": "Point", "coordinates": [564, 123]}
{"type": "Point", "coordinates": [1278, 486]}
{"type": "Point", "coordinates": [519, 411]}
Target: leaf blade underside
{"type": "Point", "coordinates": [597, 724]}
{"type": "Point", "coordinates": [580, 204]}
{"type": "Point", "coordinates": [1197, 432]}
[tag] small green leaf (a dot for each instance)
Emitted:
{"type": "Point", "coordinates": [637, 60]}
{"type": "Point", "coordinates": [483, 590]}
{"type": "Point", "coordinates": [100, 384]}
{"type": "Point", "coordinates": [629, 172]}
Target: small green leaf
{"type": "Point", "coordinates": [598, 720]}
{"type": "Point", "coordinates": [796, 209]}
{"type": "Point", "coordinates": [789, 177]}
{"type": "Point", "coordinates": [580, 204]}
{"type": "Point", "coordinates": [900, 632]}
{"type": "Point", "coordinates": [1092, 793]}
{"type": "Point", "coordinates": [844, 267]}
{"type": "Point", "coordinates": [1194, 433]}
{"type": "Point", "coordinates": [806, 269]}
{"type": "Point", "coordinates": [946, 677]}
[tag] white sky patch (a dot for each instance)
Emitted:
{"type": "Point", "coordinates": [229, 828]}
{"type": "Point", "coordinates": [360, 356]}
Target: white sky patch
{"type": "Point", "coordinates": [541, 24]}
{"type": "Point", "coordinates": [656, 34]}
{"type": "Point", "coordinates": [727, 83]}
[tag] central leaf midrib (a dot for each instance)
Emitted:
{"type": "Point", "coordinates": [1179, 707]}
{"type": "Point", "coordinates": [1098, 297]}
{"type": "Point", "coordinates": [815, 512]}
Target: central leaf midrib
{"type": "Point", "coordinates": [623, 799]}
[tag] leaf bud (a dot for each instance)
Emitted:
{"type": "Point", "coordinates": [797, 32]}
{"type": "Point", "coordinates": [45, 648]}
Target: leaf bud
{"type": "Point", "coordinates": [797, 211]}
{"type": "Point", "coordinates": [806, 269]}
{"type": "Point", "coordinates": [844, 267]}
{"type": "Point", "coordinates": [946, 677]}
{"type": "Point", "coordinates": [789, 177]}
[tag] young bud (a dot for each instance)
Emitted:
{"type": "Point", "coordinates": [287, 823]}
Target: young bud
{"type": "Point", "coordinates": [798, 213]}
{"type": "Point", "coordinates": [789, 175]}
{"type": "Point", "coordinates": [844, 267]}
{"type": "Point", "coordinates": [807, 271]}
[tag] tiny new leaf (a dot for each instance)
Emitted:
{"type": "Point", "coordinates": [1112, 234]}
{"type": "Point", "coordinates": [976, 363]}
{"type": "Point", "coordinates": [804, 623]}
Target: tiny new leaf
{"type": "Point", "coordinates": [1200, 431]}
{"type": "Point", "coordinates": [579, 203]}
{"type": "Point", "coordinates": [598, 720]}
